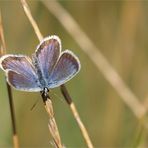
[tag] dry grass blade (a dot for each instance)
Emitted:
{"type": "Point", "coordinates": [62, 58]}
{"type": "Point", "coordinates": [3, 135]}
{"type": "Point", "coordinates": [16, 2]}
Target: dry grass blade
{"type": "Point", "coordinates": [48, 104]}
{"type": "Point", "coordinates": [52, 124]}
{"type": "Point", "coordinates": [31, 19]}
{"type": "Point", "coordinates": [3, 46]}
{"type": "Point", "coordinates": [2, 52]}
{"type": "Point", "coordinates": [96, 56]}
{"type": "Point", "coordinates": [76, 115]}
{"type": "Point", "coordinates": [81, 125]}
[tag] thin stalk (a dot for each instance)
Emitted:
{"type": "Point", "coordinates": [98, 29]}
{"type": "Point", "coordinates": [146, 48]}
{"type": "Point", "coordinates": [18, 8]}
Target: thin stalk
{"type": "Point", "coordinates": [46, 99]}
{"type": "Point", "coordinates": [52, 122]}
{"type": "Point", "coordinates": [76, 115]}
{"type": "Point", "coordinates": [12, 112]}
{"type": "Point", "coordinates": [31, 19]}
{"type": "Point", "coordinates": [94, 53]}
{"type": "Point", "coordinates": [63, 87]}
{"type": "Point", "coordinates": [15, 135]}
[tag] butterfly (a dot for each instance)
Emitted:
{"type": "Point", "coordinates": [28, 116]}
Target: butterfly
{"type": "Point", "coordinates": [48, 68]}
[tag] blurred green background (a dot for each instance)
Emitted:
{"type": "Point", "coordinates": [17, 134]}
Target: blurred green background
{"type": "Point", "coordinates": [120, 30]}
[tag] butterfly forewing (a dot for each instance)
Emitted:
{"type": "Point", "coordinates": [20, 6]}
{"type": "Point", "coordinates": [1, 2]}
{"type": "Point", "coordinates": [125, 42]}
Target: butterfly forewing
{"type": "Point", "coordinates": [20, 64]}
{"type": "Point", "coordinates": [47, 54]}
{"type": "Point", "coordinates": [66, 68]}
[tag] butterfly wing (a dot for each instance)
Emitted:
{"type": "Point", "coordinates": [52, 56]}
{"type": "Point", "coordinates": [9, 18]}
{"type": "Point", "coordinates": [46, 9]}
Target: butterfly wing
{"type": "Point", "coordinates": [66, 68]}
{"type": "Point", "coordinates": [47, 54]}
{"type": "Point", "coordinates": [20, 72]}
{"type": "Point", "coordinates": [21, 82]}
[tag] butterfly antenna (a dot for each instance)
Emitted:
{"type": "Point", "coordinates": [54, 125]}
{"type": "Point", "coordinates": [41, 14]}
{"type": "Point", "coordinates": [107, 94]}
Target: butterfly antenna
{"type": "Point", "coordinates": [33, 106]}
{"type": "Point", "coordinates": [2, 52]}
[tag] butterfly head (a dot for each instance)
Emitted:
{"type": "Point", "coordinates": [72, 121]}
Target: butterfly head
{"type": "Point", "coordinates": [44, 94]}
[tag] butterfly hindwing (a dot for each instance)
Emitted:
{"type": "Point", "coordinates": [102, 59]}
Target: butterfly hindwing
{"type": "Point", "coordinates": [66, 68]}
{"type": "Point", "coordinates": [22, 82]}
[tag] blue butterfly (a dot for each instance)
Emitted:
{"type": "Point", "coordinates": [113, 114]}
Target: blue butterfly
{"type": "Point", "coordinates": [49, 67]}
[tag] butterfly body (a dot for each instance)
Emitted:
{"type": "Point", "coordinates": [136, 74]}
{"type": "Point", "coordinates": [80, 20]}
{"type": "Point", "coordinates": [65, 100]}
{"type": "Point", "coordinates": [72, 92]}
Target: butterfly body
{"type": "Point", "coordinates": [48, 68]}
{"type": "Point", "coordinates": [39, 73]}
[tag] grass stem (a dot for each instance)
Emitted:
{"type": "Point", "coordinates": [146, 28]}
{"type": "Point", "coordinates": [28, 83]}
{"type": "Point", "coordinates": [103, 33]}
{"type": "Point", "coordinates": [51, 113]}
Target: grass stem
{"type": "Point", "coordinates": [76, 115]}
{"type": "Point", "coordinates": [52, 123]}
{"type": "Point", "coordinates": [31, 19]}
{"type": "Point", "coordinates": [48, 104]}
{"type": "Point", "coordinates": [12, 112]}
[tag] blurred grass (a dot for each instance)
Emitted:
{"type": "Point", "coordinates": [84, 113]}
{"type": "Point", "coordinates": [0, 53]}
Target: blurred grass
{"type": "Point", "coordinates": [119, 28]}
